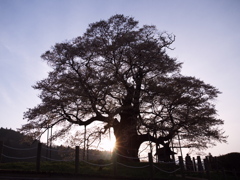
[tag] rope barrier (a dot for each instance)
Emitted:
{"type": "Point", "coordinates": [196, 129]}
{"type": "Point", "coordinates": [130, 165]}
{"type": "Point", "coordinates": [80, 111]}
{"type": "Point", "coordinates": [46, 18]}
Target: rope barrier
{"type": "Point", "coordinates": [55, 159]}
{"type": "Point", "coordinates": [127, 156]}
{"type": "Point", "coordinates": [10, 157]}
{"type": "Point", "coordinates": [99, 165]}
{"type": "Point", "coordinates": [68, 151]}
{"type": "Point", "coordinates": [27, 149]}
{"type": "Point", "coordinates": [46, 148]}
{"type": "Point", "coordinates": [56, 150]}
{"type": "Point", "coordinates": [132, 157]}
{"type": "Point", "coordinates": [132, 166]}
{"type": "Point", "coordinates": [169, 172]}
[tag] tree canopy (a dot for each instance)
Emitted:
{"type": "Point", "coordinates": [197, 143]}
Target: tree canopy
{"type": "Point", "coordinates": [119, 74]}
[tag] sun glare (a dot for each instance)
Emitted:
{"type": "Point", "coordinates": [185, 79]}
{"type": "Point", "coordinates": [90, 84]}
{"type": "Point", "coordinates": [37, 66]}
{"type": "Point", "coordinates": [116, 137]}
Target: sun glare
{"type": "Point", "coordinates": [108, 144]}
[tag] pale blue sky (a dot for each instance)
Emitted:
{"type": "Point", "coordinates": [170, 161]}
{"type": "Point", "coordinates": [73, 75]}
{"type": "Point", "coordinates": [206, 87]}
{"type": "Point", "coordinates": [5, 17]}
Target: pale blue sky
{"type": "Point", "coordinates": [207, 41]}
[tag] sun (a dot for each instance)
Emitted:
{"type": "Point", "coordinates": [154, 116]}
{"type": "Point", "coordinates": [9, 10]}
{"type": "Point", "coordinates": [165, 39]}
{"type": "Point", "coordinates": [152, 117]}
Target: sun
{"type": "Point", "coordinates": [108, 144]}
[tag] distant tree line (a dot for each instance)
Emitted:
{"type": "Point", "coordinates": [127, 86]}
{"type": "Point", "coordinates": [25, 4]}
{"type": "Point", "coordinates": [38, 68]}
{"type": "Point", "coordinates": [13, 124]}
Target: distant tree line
{"type": "Point", "coordinates": [16, 145]}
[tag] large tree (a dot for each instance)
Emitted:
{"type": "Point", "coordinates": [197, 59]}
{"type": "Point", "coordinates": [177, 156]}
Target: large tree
{"type": "Point", "coordinates": [119, 74]}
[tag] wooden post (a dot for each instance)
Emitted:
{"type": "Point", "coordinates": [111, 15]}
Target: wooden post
{"type": "Point", "coordinates": [194, 165]}
{"type": "Point", "coordinates": [199, 165]}
{"type": "Point", "coordinates": [1, 150]}
{"type": "Point", "coordinates": [215, 164]}
{"type": "Point", "coordinates": [199, 162]}
{"type": "Point", "coordinates": [150, 160]}
{"type": "Point", "coordinates": [114, 159]}
{"type": "Point", "coordinates": [39, 150]}
{"type": "Point", "coordinates": [181, 166]}
{"type": "Point", "coordinates": [207, 169]}
{"type": "Point", "coordinates": [76, 159]}
{"type": "Point", "coordinates": [189, 164]}
{"type": "Point", "coordinates": [210, 162]}
{"type": "Point", "coordinates": [84, 142]}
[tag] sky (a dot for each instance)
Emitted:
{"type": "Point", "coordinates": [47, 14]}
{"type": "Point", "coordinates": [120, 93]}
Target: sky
{"type": "Point", "coordinates": [207, 42]}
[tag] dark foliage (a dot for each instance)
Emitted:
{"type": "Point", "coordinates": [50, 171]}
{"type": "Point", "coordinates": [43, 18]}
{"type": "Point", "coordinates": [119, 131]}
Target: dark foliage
{"type": "Point", "coordinates": [230, 161]}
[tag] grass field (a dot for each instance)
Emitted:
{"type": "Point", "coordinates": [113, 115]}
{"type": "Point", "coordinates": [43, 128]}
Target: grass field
{"type": "Point", "coordinates": [140, 170]}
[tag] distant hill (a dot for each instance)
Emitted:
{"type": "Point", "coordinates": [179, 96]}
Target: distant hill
{"type": "Point", "coordinates": [14, 138]}
{"type": "Point", "coordinates": [230, 161]}
{"type": "Point", "coordinates": [16, 148]}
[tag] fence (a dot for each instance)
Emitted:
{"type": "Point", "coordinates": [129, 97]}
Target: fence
{"type": "Point", "coordinates": [205, 168]}
{"type": "Point", "coordinates": [17, 153]}
{"type": "Point", "coordinates": [182, 167]}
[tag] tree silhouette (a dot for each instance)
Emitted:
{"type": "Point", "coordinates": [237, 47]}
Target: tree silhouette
{"type": "Point", "coordinates": [119, 74]}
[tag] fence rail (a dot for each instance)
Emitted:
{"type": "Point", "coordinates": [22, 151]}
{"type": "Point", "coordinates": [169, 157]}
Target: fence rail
{"type": "Point", "coordinates": [20, 158]}
{"type": "Point", "coordinates": [19, 149]}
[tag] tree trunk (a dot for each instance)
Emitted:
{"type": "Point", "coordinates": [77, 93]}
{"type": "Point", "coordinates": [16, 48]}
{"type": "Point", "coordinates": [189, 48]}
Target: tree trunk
{"type": "Point", "coordinates": [127, 139]}
{"type": "Point", "coordinates": [127, 147]}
